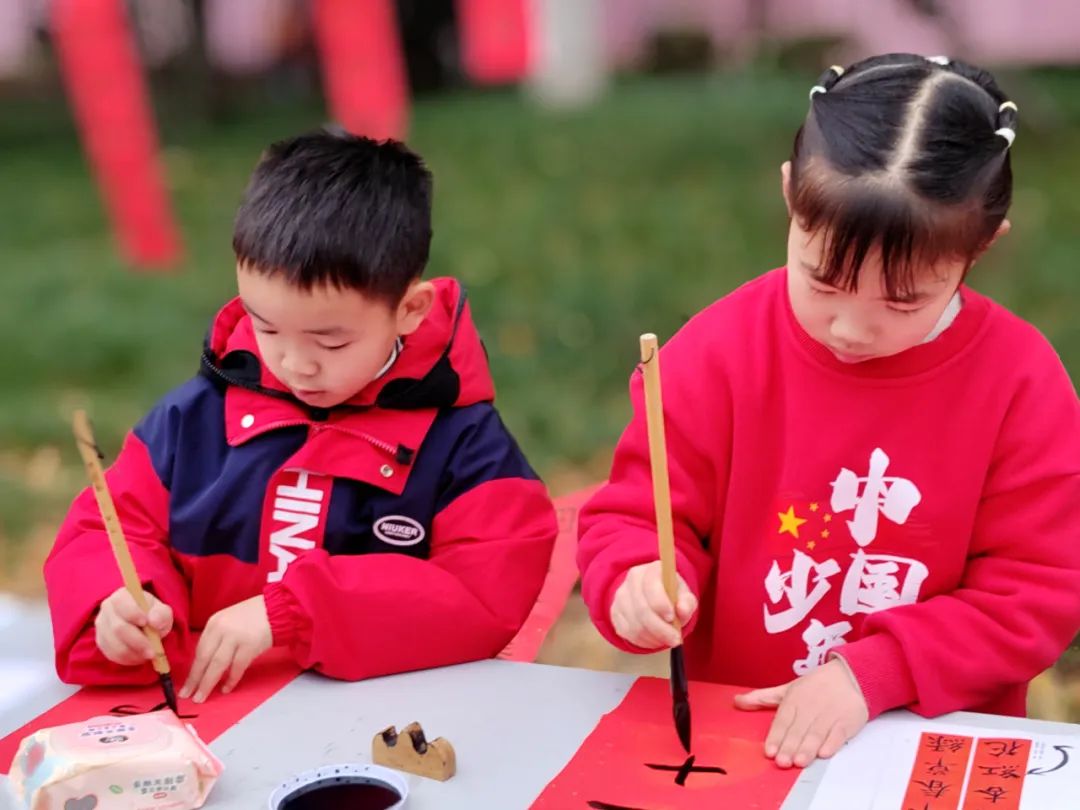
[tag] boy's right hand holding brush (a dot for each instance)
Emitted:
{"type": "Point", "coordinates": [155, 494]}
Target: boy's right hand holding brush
{"type": "Point", "coordinates": [118, 627]}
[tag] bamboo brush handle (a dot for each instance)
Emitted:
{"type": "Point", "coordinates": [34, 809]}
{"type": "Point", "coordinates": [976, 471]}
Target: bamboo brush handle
{"type": "Point", "coordinates": [88, 449]}
{"type": "Point", "coordinates": [654, 416]}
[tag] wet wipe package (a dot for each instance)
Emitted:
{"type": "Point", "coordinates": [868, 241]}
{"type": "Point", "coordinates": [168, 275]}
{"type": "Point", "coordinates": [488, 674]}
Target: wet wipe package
{"type": "Point", "coordinates": [151, 761]}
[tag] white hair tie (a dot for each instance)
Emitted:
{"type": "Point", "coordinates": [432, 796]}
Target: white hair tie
{"type": "Point", "coordinates": [817, 88]}
{"type": "Point", "coordinates": [1008, 133]}
{"type": "Point", "coordinates": [939, 60]}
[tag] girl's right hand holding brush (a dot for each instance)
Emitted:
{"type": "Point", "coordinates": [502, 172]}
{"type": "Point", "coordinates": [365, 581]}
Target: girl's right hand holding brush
{"type": "Point", "coordinates": [641, 612]}
{"type": "Point", "coordinates": [119, 627]}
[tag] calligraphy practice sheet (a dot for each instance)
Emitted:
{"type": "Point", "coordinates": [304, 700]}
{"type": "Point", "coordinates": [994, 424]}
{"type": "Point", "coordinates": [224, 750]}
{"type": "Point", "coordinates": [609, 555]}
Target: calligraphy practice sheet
{"type": "Point", "coordinates": [266, 676]}
{"type": "Point", "coordinates": [633, 759]}
{"type": "Point", "coordinates": [904, 762]}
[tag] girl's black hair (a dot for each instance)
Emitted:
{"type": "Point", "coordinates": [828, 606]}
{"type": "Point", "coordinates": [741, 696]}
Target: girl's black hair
{"type": "Point", "coordinates": [907, 155]}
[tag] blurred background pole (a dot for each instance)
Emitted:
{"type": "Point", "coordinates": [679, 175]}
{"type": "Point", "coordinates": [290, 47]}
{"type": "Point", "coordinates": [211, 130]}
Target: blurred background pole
{"type": "Point", "coordinates": [104, 81]}
{"type": "Point", "coordinates": [495, 37]}
{"type": "Point", "coordinates": [569, 61]}
{"type": "Point", "coordinates": [16, 33]}
{"type": "Point", "coordinates": [363, 66]}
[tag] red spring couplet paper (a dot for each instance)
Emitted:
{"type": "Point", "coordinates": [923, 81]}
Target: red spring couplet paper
{"type": "Point", "coordinates": [937, 777]}
{"type": "Point", "coordinates": [956, 772]}
{"type": "Point", "coordinates": [266, 676]}
{"type": "Point", "coordinates": [633, 759]}
{"type": "Point", "coordinates": [997, 774]}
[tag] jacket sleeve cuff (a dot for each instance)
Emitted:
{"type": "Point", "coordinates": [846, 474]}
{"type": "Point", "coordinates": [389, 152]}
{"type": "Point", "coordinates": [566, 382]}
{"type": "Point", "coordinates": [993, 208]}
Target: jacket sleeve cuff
{"type": "Point", "coordinates": [881, 670]}
{"type": "Point", "coordinates": [288, 625]}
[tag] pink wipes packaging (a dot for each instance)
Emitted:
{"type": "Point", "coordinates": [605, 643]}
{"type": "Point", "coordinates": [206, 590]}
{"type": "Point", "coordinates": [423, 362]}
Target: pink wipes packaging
{"type": "Point", "coordinates": [144, 762]}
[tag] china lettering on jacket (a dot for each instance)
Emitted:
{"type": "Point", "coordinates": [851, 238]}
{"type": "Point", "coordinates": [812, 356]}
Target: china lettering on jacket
{"type": "Point", "coordinates": [299, 518]}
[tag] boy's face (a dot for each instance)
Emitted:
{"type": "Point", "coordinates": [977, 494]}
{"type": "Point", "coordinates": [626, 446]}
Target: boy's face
{"type": "Point", "coordinates": [862, 325]}
{"type": "Point", "coordinates": [326, 344]}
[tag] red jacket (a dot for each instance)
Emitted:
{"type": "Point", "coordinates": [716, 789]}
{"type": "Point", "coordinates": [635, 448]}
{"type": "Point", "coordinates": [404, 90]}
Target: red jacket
{"type": "Point", "coordinates": [919, 515]}
{"type": "Point", "coordinates": [399, 531]}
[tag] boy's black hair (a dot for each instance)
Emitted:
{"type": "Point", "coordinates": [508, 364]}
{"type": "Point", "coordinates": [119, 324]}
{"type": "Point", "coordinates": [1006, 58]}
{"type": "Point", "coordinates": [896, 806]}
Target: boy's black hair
{"type": "Point", "coordinates": [906, 155]}
{"type": "Point", "coordinates": [338, 209]}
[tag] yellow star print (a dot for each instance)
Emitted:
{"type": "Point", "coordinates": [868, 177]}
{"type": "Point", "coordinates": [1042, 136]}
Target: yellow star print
{"type": "Point", "coordinates": [790, 522]}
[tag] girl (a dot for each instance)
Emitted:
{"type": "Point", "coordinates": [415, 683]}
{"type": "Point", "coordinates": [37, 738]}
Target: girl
{"type": "Point", "coordinates": [875, 470]}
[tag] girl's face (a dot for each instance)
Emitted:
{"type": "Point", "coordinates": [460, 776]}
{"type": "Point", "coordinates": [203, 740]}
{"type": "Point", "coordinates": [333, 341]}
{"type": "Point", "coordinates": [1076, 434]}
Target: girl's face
{"type": "Point", "coordinates": [862, 325]}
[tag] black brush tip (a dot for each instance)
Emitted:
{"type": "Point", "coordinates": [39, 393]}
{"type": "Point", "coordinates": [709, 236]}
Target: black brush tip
{"type": "Point", "coordinates": [682, 723]}
{"type": "Point", "coordinates": [680, 694]}
{"type": "Point", "coordinates": [169, 689]}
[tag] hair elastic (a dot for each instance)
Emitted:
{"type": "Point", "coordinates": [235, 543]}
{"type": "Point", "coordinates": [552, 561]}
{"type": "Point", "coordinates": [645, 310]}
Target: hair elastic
{"type": "Point", "coordinates": [817, 88]}
{"type": "Point", "coordinates": [1008, 133]}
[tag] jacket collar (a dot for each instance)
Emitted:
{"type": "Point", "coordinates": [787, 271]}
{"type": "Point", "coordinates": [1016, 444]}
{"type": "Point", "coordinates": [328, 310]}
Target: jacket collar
{"type": "Point", "coordinates": [374, 437]}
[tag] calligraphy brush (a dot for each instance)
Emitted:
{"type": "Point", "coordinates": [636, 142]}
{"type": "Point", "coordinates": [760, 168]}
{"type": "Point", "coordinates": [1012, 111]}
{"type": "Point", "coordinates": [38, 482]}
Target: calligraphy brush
{"type": "Point", "coordinates": [91, 456]}
{"type": "Point", "coordinates": [654, 414]}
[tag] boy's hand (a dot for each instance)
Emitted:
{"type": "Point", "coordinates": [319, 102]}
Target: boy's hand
{"type": "Point", "coordinates": [817, 714]}
{"type": "Point", "coordinates": [642, 614]}
{"type": "Point", "coordinates": [234, 637]}
{"type": "Point", "coordinates": [118, 627]}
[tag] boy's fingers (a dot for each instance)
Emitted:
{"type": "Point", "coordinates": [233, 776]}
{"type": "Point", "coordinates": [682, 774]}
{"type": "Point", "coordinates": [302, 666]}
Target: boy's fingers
{"type": "Point", "coordinates": [120, 655]}
{"type": "Point", "coordinates": [112, 649]}
{"type": "Point", "coordinates": [221, 661]}
{"type": "Point", "coordinates": [204, 651]}
{"type": "Point", "coordinates": [161, 617]}
{"type": "Point", "coordinates": [239, 666]}
{"type": "Point", "coordinates": [131, 639]}
{"type": "Point", "coordinates": [123, 605]}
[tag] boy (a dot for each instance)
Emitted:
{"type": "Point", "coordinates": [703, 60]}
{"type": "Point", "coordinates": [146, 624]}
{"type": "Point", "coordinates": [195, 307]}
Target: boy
{"type": "Point", "coordinates": [336, 480]}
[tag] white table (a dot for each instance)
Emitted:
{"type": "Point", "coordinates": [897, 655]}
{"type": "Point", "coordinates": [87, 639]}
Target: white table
{"type": "Point", "coordinates": [513, 726]}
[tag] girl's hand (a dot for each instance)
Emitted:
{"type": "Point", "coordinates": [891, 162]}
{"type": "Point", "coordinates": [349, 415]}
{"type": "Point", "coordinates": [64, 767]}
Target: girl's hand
{"type": "Point", "coordinates": [815, 714]}
{"type": "Point", "coordinates": [641, 612]}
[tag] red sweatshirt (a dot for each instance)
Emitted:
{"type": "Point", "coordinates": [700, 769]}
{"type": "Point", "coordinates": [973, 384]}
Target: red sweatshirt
{"type": "Point", "coordinates": [918, 514]}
